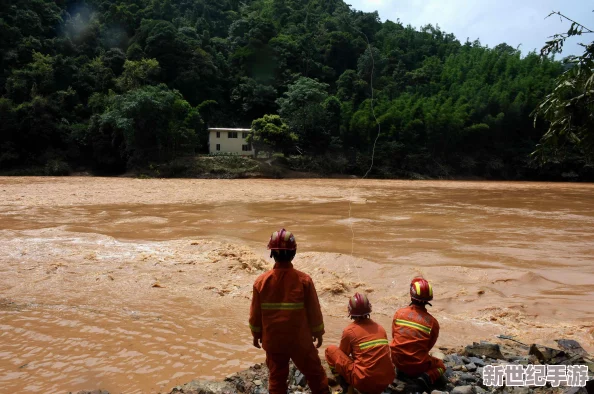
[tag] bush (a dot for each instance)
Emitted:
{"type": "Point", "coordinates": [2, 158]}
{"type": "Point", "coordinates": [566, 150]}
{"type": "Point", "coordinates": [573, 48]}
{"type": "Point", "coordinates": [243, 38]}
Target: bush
{"type": "Point", "coordinates": [325, 165]}
{"type": "Point", "coordinates": [57, 167]}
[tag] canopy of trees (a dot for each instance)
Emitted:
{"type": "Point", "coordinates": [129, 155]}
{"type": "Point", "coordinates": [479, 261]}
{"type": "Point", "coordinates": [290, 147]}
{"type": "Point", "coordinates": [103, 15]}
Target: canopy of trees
{"type": "Point", "coordinates": [110, 84]}
{"type": "Point", "coordinates": [569, 108]}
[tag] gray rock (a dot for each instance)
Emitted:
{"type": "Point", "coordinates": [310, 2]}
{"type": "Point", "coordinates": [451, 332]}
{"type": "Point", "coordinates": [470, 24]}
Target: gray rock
{"type": "Point", "coordinates": [206, 387]}
{"type": "Point", "coordinates": [449, 372]}
{"type": "Point", "coordinates": [477, 361]}
{"type": "Point", "coordinates": [468, 377]}
{"type": "Point", "coordinates": [466, 360]}
{"type": "Point", "coordinates": [471, 367]}
{"type": "Point", "coordinates": [571, 346]}
{"type": "Point", "coordinates": [576, 390]}
{"type": "Point", "coordinates": [300, 379]}
{"type": "Point", "coordinates": [513, 358]}
{"type": "Point", "coordinates": [491, 350]}
{"type": "Point", "coordinates": [439, 392]}
{"type": "Point", "coordinates": [545, 354]}
{"type": "Point", "coordinates": [521, 390]}
{"type": "Point", "coordinates": [463, 390]}
{"type": "Point", "coordinates": [479, 371]}
{"type": "Point", "coordinates": [479, 390]}
{"type": "Point", "coordinates": [456, 359]}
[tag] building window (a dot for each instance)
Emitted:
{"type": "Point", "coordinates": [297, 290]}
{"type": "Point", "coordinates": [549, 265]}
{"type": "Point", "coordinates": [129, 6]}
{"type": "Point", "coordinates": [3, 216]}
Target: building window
{"type": "Point", "coordinates": [232, 134]}
{"type": "Point", "coordinates": [218, 134]}
{"type": "Point", "coordinates": [218, 146]}
{"type": "Point", "coordinates": [244, 134]}
{"type": "Point", "coordinates": [246, 148]}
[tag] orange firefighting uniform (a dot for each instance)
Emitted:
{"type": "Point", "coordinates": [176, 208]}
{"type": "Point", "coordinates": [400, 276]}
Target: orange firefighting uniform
{"type": "Point", "coordinates": [414, 332]}
{"type": "Point", "coordinates": [285, 313]}
{"type": "Point", "coordinates": [370, 369]}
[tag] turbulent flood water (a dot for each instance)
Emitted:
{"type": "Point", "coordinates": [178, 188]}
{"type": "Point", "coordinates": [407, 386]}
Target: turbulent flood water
{"type": "Point", "coordinates": [136, 286]}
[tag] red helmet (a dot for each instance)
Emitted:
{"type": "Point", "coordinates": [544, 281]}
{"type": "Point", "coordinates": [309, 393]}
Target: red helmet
{"type": "Point", "coordinates": [282, 240]}
{"type": "Point", "coordinates": [421, 290]}
{"type": "Point", "coordinates": [359, 305]}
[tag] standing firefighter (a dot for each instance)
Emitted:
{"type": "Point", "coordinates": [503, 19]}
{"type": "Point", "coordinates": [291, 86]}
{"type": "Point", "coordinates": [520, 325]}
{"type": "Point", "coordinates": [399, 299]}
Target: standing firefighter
{"type": "Point", "coordinates": [414, 332]}
{"type": "Point", "coordinates": [363, 358]}
{"type": "Point", "coordinates": [285, 316]}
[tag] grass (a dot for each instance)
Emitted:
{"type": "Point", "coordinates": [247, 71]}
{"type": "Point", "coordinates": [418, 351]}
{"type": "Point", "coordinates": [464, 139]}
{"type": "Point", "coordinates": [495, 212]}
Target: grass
{"type": "Point", "coordinates": [225, 167]}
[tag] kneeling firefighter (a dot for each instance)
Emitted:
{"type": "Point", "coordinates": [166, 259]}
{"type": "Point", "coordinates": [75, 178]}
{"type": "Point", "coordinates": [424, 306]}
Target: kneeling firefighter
{"type": "Point", "coordinates": [414, 333]}
{"type": "Point", "coordinates": [363, 358]}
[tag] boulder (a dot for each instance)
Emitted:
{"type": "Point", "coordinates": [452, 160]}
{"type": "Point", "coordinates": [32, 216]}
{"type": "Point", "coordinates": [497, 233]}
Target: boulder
{"type": "Point", "coordinates": [471, 367]}
{"type": "Point", "coordinates": [490, 350]}
{"type": "Point", "coordinates": [572, 346]}
{"type": "Point", "coordinates": [546, 354]}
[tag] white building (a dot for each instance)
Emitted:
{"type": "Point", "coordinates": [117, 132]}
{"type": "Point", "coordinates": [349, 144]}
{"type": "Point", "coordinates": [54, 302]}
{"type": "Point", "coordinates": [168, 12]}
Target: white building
{"type": "Point", "coordinates": [229, 141]}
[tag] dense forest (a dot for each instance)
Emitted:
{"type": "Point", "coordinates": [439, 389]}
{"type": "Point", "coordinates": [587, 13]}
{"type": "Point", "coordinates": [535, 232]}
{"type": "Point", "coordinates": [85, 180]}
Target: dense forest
{"type": "Point", "coordinates": [110, 85]}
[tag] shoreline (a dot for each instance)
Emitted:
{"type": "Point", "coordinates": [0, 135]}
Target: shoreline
{"type": "Point", "coordinates": [464, 373]}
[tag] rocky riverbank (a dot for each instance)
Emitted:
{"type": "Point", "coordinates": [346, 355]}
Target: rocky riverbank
{"type": "Point", "coordinates": [464, 374]}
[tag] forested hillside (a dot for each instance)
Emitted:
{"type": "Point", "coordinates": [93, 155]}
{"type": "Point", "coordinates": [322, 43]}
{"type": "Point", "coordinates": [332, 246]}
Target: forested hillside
{"type": "Point", "coordinates": [113, 84]}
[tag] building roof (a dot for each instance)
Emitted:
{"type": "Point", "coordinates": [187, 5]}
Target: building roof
{"type": "Point", "coordinates": [226, 129]}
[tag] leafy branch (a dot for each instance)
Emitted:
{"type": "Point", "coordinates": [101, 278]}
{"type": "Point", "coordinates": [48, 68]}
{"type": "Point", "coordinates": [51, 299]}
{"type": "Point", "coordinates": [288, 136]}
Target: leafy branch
{"type": "Point", "coordinates": [556, 44]}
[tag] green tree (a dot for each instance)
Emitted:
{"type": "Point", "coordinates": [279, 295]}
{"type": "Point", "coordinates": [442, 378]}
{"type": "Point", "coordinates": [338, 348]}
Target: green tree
{"type": "Point", "coordinates": [151, 123]}
{"type": "Point", "coordinates": [301, 109]}
{"type": "Point", "coordinates": [270, 134]}
{"type": "Point", "coordinates": [138, 73]}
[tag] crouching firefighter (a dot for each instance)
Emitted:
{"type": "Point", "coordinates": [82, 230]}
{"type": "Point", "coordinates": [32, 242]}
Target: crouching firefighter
{"type": "Point", "coordinates": [414, 332]}
{"type": "Point", "coordinates": [363, 358]}
{"type": "Point", "coordinates": [285, 319]}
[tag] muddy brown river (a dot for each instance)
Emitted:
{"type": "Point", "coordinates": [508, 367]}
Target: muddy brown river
{"type": "Point", "coordinates": [136, 286]}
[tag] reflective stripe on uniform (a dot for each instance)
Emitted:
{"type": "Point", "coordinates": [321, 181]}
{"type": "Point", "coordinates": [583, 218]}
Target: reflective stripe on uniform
{"type": "Point", "coordinates": [283, 306]}
{"type": "Point", "coordinates": [255, 329]}
{"type": "Point", "coordinates": [377, 342]}
{"type": "Point", "coordinates": [317, 328]}
{"type": "Point", "coordinates": [413, 324]}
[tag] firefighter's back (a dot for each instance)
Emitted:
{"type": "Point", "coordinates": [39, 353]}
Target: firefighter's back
{"type": "Point", "coordinates": [283, 302]}
{"type": "Point", "coordinates": [412, 336]}
{"type": "Point", "coordinates": [371, 354]}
